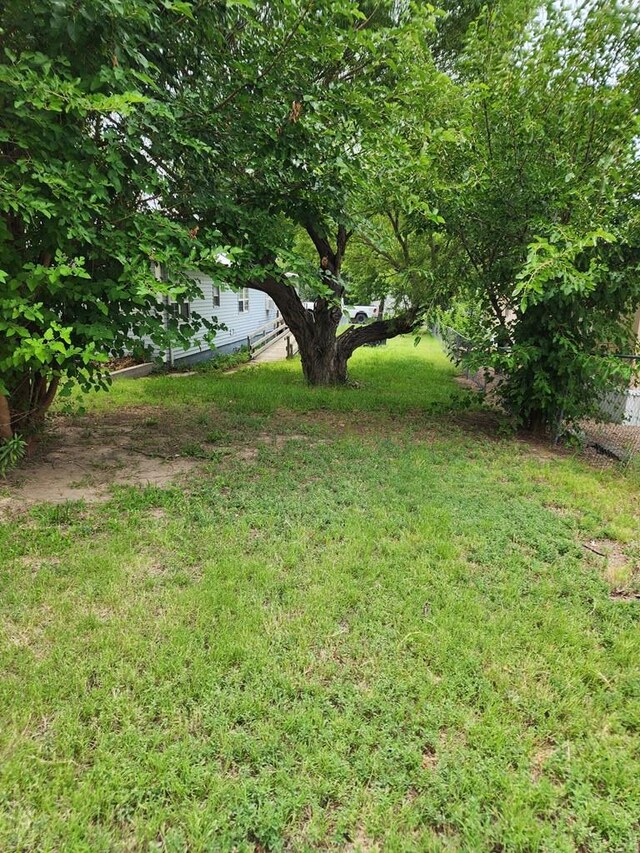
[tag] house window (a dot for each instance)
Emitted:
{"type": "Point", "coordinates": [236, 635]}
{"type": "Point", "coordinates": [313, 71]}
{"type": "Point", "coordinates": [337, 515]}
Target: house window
{"type": "Point", "coordinates": [216, 296]}
{"type": "Point", "coordinates": [243, 300]}
{"type": "Point", "coordinates": [180, 309]}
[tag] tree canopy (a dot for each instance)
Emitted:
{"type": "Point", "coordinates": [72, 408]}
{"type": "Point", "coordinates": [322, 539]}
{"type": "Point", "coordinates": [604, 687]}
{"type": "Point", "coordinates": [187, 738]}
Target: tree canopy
{"type": "Point", "coordinates": [88, 200]}
{"type": "Point", "coordinates": [480, 152]}
{"type": "Point", "coordinates": [540, 196]}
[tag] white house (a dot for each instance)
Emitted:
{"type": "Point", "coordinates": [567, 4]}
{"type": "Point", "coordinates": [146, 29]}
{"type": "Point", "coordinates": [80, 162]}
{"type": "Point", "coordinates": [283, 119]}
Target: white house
{"type": "Point", "coordinates": [243, 312]}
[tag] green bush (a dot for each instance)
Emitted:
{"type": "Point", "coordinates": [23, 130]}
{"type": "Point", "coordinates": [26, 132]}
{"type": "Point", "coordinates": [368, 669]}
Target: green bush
{"type": "Point", "coordinates": [12, 450]}
{"type": "Point", "coordinates": [224, 361]}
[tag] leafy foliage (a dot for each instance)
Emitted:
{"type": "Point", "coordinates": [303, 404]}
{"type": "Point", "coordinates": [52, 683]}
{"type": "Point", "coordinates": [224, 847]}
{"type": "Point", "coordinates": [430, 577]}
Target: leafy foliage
{"type": "Point", "coordinates": [539, 193]}
{"type": "Point", "coordinates": [83, 197]}
{"type": "Point", "coordinates": [224, 361]}
{"type": "Point", "coordinates": [142, 131]}
{"type": "Point", "coordinates": [294, 145]}
{"type": "Point", "coordinates": [12, 450]}
{"type": "Point", "coordinates": [475, 151]}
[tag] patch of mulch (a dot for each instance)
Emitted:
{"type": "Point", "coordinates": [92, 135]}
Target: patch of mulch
{"type": "Point", "coordinates": [122, 362]}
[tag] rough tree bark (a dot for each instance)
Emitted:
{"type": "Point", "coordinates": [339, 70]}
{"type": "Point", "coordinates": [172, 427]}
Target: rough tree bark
{"type": "Point", "coordinates": [323, 353]}
{"type": "Point", "coordinates": [5, 419]}
{"type": "Point", "coordinates": [28, 403]}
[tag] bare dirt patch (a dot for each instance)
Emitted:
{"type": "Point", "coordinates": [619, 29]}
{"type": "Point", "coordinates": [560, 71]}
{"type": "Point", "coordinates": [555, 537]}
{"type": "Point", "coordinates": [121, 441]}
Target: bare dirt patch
{"type": "Point", "coordinates": [541, 452]}
{"type": "Point", "coordinates": [362, 843]}
{"type": "Point", "coordinates": [540, 758]}
{"type": "Point", "coordinates": [610, 550]}
{"type": "Point", "coordinates": [429, 758]}
{"type": "Point", "coordinates": [562, 511]}
{"type": "Point", "coordinates": [619, 570]}
{"type": "Point", "coordinates": [485, 422]}
{"type": "Point", "coordinates": [36, 564]}
{"type": "Point", "coordinates": [83, 458]}
{"type": "Point", "coordinates": [247, 454]}
{"type": "Point", "coordinates": [157, 513]}
{"type": "Point", "coordinates": [624, 595]}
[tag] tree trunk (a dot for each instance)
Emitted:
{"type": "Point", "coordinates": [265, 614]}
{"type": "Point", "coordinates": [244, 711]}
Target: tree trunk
{"type": "Point", "coordinates": [315, 331]}
{"type": "Point", "coordinates": [321, 364]}
{"type": "Point", "coordinates": [5, 419]}
{"type": "Point", "coordinates": [318, 347]}
{"type": "Point", "coordinates": [536, 423]}
{"type": "Point", "coordinates": [31, 396]}
{"type": "Point", "coordinates": [322, 368]}
{"type": "Point", "coordinates": [324, 353]}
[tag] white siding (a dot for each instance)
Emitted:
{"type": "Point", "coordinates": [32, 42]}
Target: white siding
{"type": "Point", "coordinates": [632, 408]}
{"type": "Point", "coordinates": [239, 324]}
{"type": "Point", "coordinates": [622, 407]}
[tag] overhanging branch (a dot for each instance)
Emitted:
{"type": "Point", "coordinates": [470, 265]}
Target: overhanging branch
{"type": "Point", "coordinates": [380, 330]}
{"type": "Point", "coordinates": [296, 316]}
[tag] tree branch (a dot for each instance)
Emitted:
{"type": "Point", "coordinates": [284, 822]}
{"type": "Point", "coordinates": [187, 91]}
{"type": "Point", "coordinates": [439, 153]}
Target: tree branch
{"type": "Point", "coordinates": [47, 399]}
{"type": "Point", "coordinates": [497, 310]}
{"type": "Point", "coordinates": [298, 318]}
{"type": "Point", "coordinates": [395, 224]}
{"type": "Point", "coordinates": [380, 330]}
{"type": "Point", "coordinates": [323, 247]}
{"type": "Point", "coordinates": [341, 243]}
{"type": "Point", "coordinates": [362, 238]}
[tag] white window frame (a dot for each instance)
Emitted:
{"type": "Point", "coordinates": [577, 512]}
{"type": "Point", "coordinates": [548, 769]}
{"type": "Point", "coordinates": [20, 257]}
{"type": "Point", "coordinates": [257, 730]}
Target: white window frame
{"type": "Point", "coordinates": [243, 300]}
{"type": "Point", "coordinates": [180, 310]}
{"type": "Point", "coordinates": [216, 296]}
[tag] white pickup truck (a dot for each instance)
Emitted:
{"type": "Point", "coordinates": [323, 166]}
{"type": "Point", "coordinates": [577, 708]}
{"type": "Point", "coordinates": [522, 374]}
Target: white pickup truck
{"type": "Point", "coordinates": [355, 313]}
{"type": "Point", "coordinates": [361, 313]}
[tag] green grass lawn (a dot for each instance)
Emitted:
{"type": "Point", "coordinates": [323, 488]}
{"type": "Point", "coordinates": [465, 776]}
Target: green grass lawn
{"type": "Point", "coordinates": [363, 621]}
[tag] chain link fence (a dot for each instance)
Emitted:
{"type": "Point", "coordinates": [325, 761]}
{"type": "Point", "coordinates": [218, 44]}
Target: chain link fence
{"type": "Point", "coordinates": [615, 438]}
{"type": "Point", "coordinates": [458, 347]}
